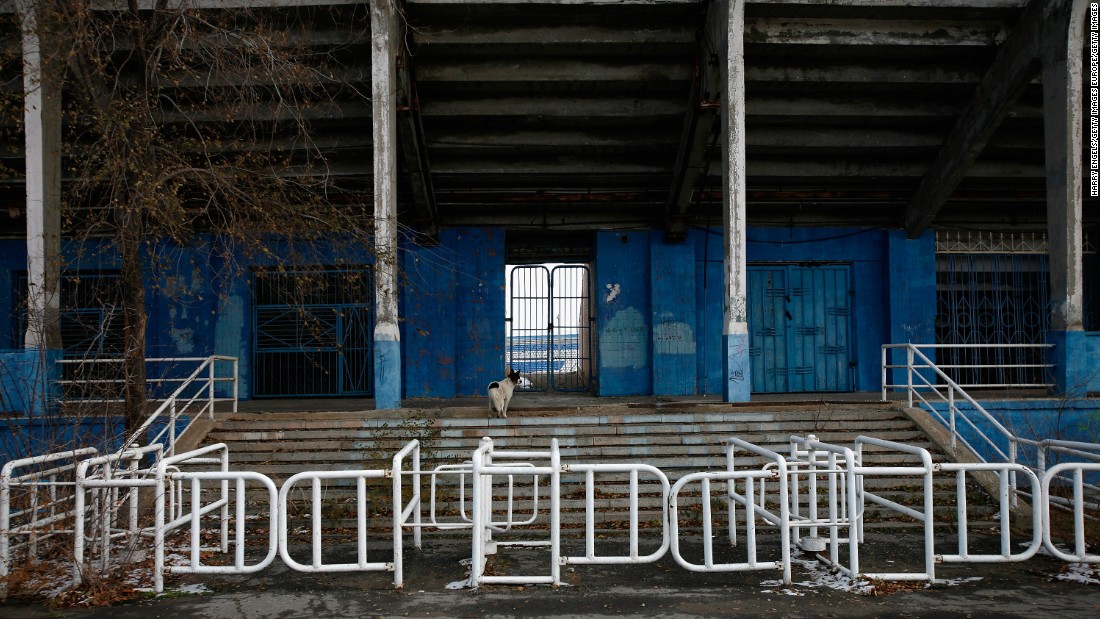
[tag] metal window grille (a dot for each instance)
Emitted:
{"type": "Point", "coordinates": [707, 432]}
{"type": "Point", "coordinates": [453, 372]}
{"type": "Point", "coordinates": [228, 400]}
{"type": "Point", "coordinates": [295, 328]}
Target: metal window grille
{"type": "Point", "coordinates": [549, 327]}
{"type": "Point", "coordinates": [312, 332]}
{"type": "Point", "coordinates": [92, 327]}
{"type": "Point", "coordinates": [992, 298]}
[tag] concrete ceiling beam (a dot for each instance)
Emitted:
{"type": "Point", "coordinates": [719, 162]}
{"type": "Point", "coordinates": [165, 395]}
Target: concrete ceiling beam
{"type": "Point", "coordinates": [702, 122]}
{"type": "Point", "coordinates": [1015, 66]}
{"type": "Point", "coordinates": [525, 139]}
{"type": "Point", "coordinates": [480, 34]}
{"type": "Point", "coordinates": [786, 31]}
{"type": "Point", "coordinates": [546, 70]}
{"type": "Point", "coordinates": [413, 149]}
{"type": "Point", "coordinates": [551, 106]}
{"type": "Point", "coordinates": [933, 4]}
{"type": "Point", "coordinates": [268, 112]}
{"type": "Point", "coordinates": [577, 71]}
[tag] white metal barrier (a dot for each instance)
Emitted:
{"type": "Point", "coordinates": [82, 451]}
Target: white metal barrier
{"type": "Point", "coordinates": [193, 518]}
{"type": "Point", "coordinates": [752, 500]}
{"type": "Point", "coordinates": [752, 512]}
{"type": "Point", "coordinates": [31, 515]}
{"type": "Point", "coordinates": [925, 515]}
{"type": "Point", "coordinates": [483, 469]}
{"type": "Point", "coordinates": [1077, 504]}
{"type": "Point", "coordinates": [811, 460]}
{"type": "Point", "coordinates": [316, 503]}
{"type": "Point", "coordinates": [633, 553]}
{"type": "Point", "coordinates": [1007, 475]}
{"type": "Point", "coordinates": [168, 483]}
{"type": "Point", "coordinates": [818, 487]}
{"type": "Point", "coordinates": [104, 477]}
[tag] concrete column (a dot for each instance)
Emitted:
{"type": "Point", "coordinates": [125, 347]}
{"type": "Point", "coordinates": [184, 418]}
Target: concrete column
{"type": "Point", "coordinates": [736, 381]}
{"type": "Point", "coordinates": [42, 118]}
{"type": "Point", "coordinates": [1063, 122]}
{"type": "Point", "coordinates": [42, 123]}
{"type": "Point", "coordinates": [387, 336]}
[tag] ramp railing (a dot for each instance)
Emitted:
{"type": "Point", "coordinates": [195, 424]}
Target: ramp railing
{"type": "Point", "coordinates": [923, 389]}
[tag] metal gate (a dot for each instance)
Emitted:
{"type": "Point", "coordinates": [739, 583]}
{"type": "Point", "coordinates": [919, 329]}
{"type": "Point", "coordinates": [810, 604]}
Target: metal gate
{"type": "Point", "coordinates": [549, 327]}
{"type": "Point", "coordinates": [992, 291]}
{"type": "Point", "coordinates": [312, 332]}
{"type": "Point", "coordinates": [800, 328]}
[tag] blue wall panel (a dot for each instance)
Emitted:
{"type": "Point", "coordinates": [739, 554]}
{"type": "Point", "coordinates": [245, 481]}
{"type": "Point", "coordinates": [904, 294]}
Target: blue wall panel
{"type": "Point", "coordinates": [428, 328]}
{"type": "Point", "coordinates": [479, 291]}
{"type": "Point", "coordinates": [710, 292]}
{"type": "Point", "coordinates": [674, 303]}
{"type": "Point", "coordinates": [623, 314]}
{"type": "Point", "coordinates": [658, 306]}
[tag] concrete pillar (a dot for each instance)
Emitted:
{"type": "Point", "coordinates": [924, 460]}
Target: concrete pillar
{"type": "Point", "coordinates": [736, 381]}
{"type": "Point", "coordinates": [387, 337]}
{"type": "Point", "coordinates": [1063, 122]}
{"type": "Point", "coordinates": [42, 118]}
{"type": "Point", "coordinates": [42, 123]}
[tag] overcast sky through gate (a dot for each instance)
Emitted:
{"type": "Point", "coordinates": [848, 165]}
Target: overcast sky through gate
{"type": "Point", "coordinates": [528, 310]}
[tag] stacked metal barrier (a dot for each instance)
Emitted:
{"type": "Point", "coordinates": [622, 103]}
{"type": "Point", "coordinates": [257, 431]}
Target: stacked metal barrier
{"type": "Point", "coordinates": [813, 497]}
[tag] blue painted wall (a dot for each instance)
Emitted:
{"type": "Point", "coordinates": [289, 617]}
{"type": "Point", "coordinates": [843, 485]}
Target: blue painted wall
{"type": "Point", "coordinates": [658, 306]}
{"type": "Point", "coordinates": [623, 315]}
{"type": "Point", "coordinates": [675, 314]}
{"type": "Point", "coordinates": [453, 313]}
{"type": "Point", "coordinates": [429, 325]}
{"type": "Point", "coordinates": [710, 307]}
{"type": "Point", "coordinates": [644, 284]}
{"type": "Point", "coordinates": [1068, 420]}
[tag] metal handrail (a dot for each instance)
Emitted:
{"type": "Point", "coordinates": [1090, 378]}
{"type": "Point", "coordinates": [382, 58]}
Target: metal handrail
{"type": "Point", "coordinates": [917, 383]}
{"type": "Point", "coordinates": [886, 366]}
{"type": "Point", "coordinates": [177, 403]}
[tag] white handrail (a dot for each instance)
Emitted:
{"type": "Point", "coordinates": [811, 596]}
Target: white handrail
{"type": "Point", "coordinates": [914, 390]}
{"type": "Point", "coordinates": [177, 403]}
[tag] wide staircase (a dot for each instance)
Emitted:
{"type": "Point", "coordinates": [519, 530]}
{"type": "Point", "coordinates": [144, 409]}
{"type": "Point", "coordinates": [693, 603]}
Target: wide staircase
{"type": "Point", "coordinates": [676, 437]}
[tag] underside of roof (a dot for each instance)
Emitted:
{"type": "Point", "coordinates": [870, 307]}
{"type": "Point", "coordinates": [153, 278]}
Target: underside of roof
{"type": "Point", "coordinates": [607, 114]}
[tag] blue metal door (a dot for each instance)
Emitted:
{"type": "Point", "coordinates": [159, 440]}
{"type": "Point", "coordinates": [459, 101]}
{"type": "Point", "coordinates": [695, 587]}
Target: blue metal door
{"type": "Point", "coordinates": [312, 333]}
{"type": "Point", "coordinates": [800, 328]}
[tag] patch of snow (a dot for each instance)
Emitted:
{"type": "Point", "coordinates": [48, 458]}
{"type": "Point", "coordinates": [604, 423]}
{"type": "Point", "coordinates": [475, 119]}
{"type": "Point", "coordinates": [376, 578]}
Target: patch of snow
{"type": "Point", "coordinates": [954, 582]}
{"type": "Point", "coordinates": [1081, 573]}
{"type": "Point", "coordinates": [195, 589]}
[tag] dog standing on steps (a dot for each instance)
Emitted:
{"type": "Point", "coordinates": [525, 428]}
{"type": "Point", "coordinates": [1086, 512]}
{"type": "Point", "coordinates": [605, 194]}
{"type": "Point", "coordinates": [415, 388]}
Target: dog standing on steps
{"type": "Point", "coordinates": [500, 393]}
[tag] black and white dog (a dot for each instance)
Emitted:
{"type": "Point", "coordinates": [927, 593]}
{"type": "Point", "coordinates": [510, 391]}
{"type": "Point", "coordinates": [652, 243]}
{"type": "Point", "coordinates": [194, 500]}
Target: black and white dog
{"type": "Point", "coordinates": [500, 393]}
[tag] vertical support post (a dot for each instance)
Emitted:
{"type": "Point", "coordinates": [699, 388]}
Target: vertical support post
{"type": "Point", "coordinates": [736, 383]}
{"type": "Point", "coordinates": [42, 122]}
{"type": "Point", "coordinates": [1063, 121]}
{"type": "Point", "coordinates": [387, 336]}
{"type": "Point", "coordinates": [555, 513]}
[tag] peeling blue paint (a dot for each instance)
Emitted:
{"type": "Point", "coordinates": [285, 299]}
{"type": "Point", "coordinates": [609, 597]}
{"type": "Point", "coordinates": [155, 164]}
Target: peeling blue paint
{"type": "Point", "coordinates": [387, 374]}
{"type": "Point", "coordinates": [453, 315]}
{"type": "Point", "coordinates": [623, 319]}
{"type": "Point", "coordinates": [736, 368]}
{"type": "Point", "coordinates": [673, 303]}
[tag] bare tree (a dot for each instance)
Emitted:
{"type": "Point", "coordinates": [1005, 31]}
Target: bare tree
{"type": "Point", "coordinates": [182, 120]}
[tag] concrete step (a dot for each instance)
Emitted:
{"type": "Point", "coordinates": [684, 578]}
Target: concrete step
{"type": "Point", "coordinates": [679, 439]}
